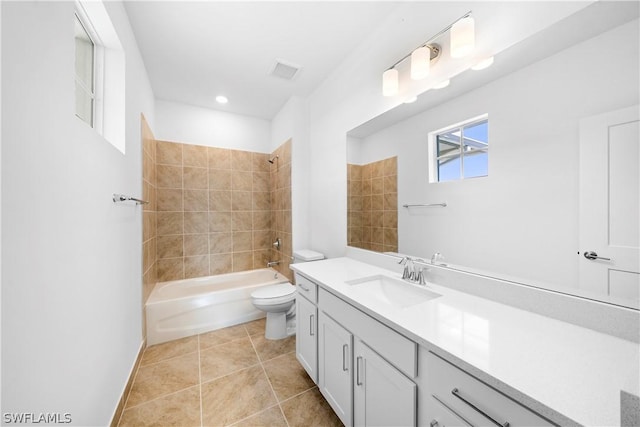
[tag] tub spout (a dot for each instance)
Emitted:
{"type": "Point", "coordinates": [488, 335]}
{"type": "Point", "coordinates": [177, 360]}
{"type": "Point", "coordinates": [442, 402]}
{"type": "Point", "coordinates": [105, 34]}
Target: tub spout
{"type": "Point", "coordinates": [272, 263]}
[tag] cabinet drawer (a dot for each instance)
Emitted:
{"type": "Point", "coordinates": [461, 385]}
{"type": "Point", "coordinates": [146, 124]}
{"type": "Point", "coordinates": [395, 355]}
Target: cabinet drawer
{"type": "Point", "coordinates": [307, 288]}
{"type": "Point", "coordinates": [472, 400]}
{"type": "Point", "coordinates": [395, 348]}
{"type": "Point", "coordinates": [441, 416]}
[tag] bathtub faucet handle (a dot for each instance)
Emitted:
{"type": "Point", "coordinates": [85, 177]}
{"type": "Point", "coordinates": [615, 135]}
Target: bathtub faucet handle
{"type": "Point", "coordinates": [272, 263]}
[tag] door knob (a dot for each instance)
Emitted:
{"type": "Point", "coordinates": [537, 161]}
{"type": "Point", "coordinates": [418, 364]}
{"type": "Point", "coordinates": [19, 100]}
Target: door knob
{"type": "Point", "coordinates": [592, 255]}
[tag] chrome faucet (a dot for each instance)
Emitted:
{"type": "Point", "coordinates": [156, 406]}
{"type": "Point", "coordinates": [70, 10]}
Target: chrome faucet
{"type": "Point", "coordinates": [410, 273]}
{"type": "Point", "coordinates": [272, 263]}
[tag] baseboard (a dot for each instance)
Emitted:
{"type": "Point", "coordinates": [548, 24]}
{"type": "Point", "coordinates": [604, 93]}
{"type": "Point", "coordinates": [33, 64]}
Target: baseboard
{"type": "Point", "coordinates": [125, 394]}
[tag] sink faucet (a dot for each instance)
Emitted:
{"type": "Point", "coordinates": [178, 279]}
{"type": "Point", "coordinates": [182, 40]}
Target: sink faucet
{"type": "Point", "coordinates": [410, 274]}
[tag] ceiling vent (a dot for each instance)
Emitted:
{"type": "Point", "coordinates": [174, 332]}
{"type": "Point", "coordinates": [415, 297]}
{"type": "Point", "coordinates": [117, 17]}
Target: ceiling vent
{"type": "Point", "coordinates": [285, 70]}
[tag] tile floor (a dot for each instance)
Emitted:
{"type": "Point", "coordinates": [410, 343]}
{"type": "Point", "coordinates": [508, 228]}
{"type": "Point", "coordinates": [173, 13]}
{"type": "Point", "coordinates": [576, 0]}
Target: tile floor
{"type": "Point", "coordinates": [232, 376]}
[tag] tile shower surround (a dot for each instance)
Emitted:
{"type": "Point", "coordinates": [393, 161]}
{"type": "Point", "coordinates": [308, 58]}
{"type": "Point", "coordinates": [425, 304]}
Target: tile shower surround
{"type": "Point", "coordinates": [219, 210]}
{"type": "Point", "coordinates": [372, 221]}
{"type": "Point", "coordinates": [232, 376]}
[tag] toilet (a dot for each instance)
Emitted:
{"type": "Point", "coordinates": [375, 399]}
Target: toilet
{"type": "Point", "coordinates": [278, 301]}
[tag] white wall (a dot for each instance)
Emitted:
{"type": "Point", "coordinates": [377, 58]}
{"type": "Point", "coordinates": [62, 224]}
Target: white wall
{"type": "Point", "coordinates": [352, 96]}
{"type": "Point", "coordinates": [292, 121]}
{"type": "Point", "coordinates": [202, 126]}
{"type": "Point", "coordinates": [71, 282]}
{"type": "Point", "coordinates": [521, 220]}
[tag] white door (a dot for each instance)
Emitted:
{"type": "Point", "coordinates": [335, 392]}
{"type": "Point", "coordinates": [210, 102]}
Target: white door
{"type": "Point", "coordinates": [610, 205]}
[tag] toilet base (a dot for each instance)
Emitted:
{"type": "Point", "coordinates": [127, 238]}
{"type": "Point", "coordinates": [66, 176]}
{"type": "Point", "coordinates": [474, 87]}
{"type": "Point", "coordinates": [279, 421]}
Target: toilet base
{"type": "Point", "coordinates": [278, 326]}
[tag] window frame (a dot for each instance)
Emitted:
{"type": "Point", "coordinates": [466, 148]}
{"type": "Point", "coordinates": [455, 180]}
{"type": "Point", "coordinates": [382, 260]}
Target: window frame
{"type": "Point", "coordinates": [98, 70]}
{"type": "Point", "coordinates": [434, 157]}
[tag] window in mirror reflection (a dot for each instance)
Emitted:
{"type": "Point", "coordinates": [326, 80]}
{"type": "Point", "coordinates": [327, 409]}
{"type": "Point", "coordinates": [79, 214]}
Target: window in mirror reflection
{"type": "Point", "coordinates": [460, 151]}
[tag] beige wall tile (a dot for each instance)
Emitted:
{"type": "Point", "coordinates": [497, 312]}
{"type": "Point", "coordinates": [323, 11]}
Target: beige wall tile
{"type": "Point", "coordinates": [377, 169]}
{"type": "Point", "coordinates": [196, 200]}
{"type": "Point", "coordinates": [169, 200]}
{"type": "Point", "coordinates": [261, 258]}
{"type": "Point", "coordinates": [260, 162]}
{"type": "Point", "coordinates": [242, 221]}
{"type": "Point", "coordinates": [390, 202]}
{"type": "Point", "coordinates": [261, 201]}
{"type": "Point", "coordinates": [220, 264]}
{"type": "Point", "coordinates": [196, 222]}
{"type": "Point", "coordinates": [220, 243]}
{"type": "Point", "coordinates": [196, 244]}
{"type": "Point", "coordinates": [241, 200]}
{"type": "Point", "coordinates": [242, 261]}
{"type": "Point", "coordinates": [220, 201]}
{"type": "Point", "coordinates": [390, 219]}
{"type": "Point", "coordinates": [241, 160]}
{"type": "Point", "coordinates": [169, 176]}
{"type": "Point", "coordinates": [169, 246]}
{"type": "Point", "coordinates": [377, 186]}
{"type": "Point", "coordinates": [242, 241]}
{"type": "Point", "coordinates": [195, 178]}
{"type": "Point", "coordinates": [390, 166]}
{"type": "Point", "coordinates": [391, 184]}
{"type": "Point", "coordinates": [261, 220]}
{"type": "Point", "coordinates": [390, 236]}
{"type": "Point", "coordinates": [220, 221]}
{"type": "Point", "coordinates": [194, 155]}
{"type": "Point", "coordinates": [196, 266]}
{"type": "Point", "coordinates": [219, 179]}
{"type": "Point", "coordinates": [260, 181]}
{"type": "Point", "coordinates": [262, 240]}
{"type": "Point", "coordinates": [377, 219]}
{"type": "Point", "coordinates": [170, 223]}
{"type": "Point", "coordinates": [219, 158]}
{"type": "Point", "coordinates": [377, 202]}
{"type": "Point", "coordinates": [168, 153]}
{"type": "Point", "coordinates": [241, 181]}
{"type": "Point", "coordinates": [170, 269]}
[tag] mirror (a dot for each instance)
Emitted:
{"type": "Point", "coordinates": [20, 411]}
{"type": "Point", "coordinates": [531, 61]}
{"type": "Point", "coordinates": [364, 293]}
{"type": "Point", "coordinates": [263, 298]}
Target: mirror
{"type": "Point", "coordinates": [521, 222]}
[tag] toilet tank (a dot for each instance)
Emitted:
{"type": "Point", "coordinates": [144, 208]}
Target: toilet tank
{"type": "Point", "coordinates": [306, 255]}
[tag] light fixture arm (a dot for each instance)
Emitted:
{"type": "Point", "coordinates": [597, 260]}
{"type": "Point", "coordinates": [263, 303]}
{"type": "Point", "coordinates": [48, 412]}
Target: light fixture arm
{"type": "Point", "coordinates": [431, 39]}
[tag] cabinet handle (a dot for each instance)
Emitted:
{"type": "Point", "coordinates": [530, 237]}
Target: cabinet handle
{"type": "Point", "coordinates": [303, 288]}
{"type": "Point", "coordinates": [358, 359]}
{"type": "Point", "coordinates": [456, 393]}
{"type": "Point", "coordinates": [311, 322]}
{"type": "Point", "coordinates": [345, 354]}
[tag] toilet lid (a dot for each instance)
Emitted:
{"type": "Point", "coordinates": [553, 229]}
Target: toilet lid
{"type": "Point", "coordinates": [274, 291]}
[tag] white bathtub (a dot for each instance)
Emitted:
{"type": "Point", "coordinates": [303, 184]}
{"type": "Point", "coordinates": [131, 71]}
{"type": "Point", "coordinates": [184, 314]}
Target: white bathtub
{"type": "Point", "coordinates": [181, 308]}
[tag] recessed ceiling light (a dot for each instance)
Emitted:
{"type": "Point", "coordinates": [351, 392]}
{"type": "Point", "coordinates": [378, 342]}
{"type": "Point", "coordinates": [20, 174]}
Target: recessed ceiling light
{"type": "Point", "coordinates": [221, 99]}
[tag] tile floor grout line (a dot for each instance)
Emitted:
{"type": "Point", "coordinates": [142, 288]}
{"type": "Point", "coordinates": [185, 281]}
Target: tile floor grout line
{"type": "Point", "coordinates": [200, 382]}
{"type": "Point", "coordinates": [161, 397]}
{"type": "Point", "coordinates": [167, 359]}
{"type": "Point", "coordinates": [270, 385]}
{"type": "Point", "coordinates": [230, 373]}
{"type": "Point", "coordinates": [301, 393]}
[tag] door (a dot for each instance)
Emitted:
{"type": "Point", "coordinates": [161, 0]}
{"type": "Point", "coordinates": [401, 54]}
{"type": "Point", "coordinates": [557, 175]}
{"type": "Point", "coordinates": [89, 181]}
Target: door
{"type": "Point", "coordinates": [382, 395]}
{"type": "Point", "coordinates": [307, 336]}
{"type": "Point", "coordinates": [610, 205]}
{"type": "Point", "coordinates": [335, 374]}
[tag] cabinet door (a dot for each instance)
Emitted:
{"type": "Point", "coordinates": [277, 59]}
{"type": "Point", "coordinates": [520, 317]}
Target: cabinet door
{"type": "Point", "coordinates": [383, 396]}
{"type": "Point", "coordinates": [307, 336]}
{"type": "Point", "coordinates": [335, 373]}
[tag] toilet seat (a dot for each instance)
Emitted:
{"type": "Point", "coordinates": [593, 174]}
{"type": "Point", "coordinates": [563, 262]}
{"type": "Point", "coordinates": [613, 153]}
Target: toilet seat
{"type": "Point", "coordinates": [274, 294]}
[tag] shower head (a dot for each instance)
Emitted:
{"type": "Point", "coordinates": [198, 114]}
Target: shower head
{"type": "Point", "coordinates": [273, 159]}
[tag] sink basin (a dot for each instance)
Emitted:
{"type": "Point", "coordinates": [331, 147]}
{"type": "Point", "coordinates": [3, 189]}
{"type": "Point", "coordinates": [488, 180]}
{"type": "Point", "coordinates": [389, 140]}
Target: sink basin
{"type": "Point", "coordinates": [387, 290]}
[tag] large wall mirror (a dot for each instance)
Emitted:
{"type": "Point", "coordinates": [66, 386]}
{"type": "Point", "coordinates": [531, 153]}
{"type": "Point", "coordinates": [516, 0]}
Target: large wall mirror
{"type": "Point", "coordinates": [560, 149]}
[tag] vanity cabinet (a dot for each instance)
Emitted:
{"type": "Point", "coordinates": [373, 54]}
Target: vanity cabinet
{"type": "Point", "coordinates": [335, 367]}
{"type": "Point", "coordinates": [307, 326]}
{"type": "Point", "coordinates": [382, 395]}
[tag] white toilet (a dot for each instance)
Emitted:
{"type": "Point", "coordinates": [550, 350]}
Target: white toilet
{"type": "Point", "coordinates": [279, 301]}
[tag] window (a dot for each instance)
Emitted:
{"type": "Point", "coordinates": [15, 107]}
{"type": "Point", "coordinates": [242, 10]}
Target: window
{"type": "Point", "coordinates": [85, 73]}
{"type": "Point", "coordinates": [460, 151]}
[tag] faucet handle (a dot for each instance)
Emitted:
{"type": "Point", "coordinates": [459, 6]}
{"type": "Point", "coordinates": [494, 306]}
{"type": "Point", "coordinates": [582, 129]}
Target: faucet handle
{"type": "Point", "coordinates": [421, 280]}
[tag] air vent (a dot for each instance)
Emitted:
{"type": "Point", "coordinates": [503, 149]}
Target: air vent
{"type": "Point", "coordinates": [285, 70]}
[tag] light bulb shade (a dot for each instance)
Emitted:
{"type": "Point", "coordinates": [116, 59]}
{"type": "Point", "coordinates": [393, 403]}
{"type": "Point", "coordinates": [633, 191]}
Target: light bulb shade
{"type": "Point", "coordinates": [442, 84]}
{"type": "Point", "coordinates": [390, 82]}
{"type": "Point", "coordinates": [420, 60]}
{"type": "Point", "coordinates": [462, 37]}
{"type": "Point", "coordinates": [485, 63]}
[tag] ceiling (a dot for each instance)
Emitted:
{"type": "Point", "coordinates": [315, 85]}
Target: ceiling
{"type": "Point", "coordinates": [194, 51]}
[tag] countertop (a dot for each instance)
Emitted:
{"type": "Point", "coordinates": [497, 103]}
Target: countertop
{"type": "Point", "coordinates": [566, 373]}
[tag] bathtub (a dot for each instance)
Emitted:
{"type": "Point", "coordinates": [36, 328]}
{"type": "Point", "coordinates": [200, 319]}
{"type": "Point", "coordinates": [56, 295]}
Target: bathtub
{"type": "Point", "coordinates": [182, 308]}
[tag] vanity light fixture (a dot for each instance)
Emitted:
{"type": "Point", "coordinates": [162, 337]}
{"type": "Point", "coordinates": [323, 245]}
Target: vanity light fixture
{"type": "Point", "coordinates": [421, 57]}
{"type": "Point", "coordinates": [221, 99]}
{"type": "Point", "coordinates": [485, 63]}
{"type": "Point", "coordinates": [442, 84]}
{"type": "Point", "coordinates": [411, 100]}
{"type": "Point", "coordinates": [463, 37]}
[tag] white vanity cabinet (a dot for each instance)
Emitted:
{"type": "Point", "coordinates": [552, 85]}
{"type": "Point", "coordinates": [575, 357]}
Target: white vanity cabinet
{"type": "Point", "coordinates": [307, 326]}
{"type": "Point", "coordinates": [382, 395]}
{"type": "Point", "coordinates": [335, 367]}
{"type": "Point", "coordinates": [364, 366]}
